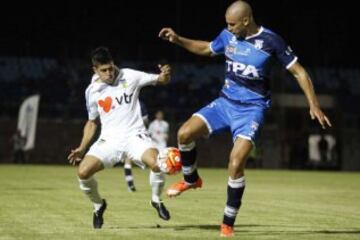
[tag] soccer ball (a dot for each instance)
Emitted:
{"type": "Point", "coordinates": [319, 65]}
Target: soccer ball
{"type": "Point", "coordinates": [169, 160]}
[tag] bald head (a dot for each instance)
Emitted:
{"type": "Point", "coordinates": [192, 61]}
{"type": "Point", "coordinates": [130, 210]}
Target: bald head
{"type": "Point", "coordinates": [239, 9]}
{"type": "Point", "coordinates": [240, 20]}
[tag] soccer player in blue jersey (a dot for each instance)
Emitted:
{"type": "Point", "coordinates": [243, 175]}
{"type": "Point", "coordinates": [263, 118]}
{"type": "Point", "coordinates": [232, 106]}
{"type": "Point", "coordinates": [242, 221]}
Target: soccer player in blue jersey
{"type": "Point", "coordinates": [243, 101]}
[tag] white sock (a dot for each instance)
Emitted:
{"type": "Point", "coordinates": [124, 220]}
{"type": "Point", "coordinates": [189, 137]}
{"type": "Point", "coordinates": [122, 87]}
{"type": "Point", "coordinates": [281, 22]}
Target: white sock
{"type": "Point", "coordinates": [157, 182]}
{"type": "Point", "coordinates": [97, 206]}
{"type": "Point", "coordinates": [89, 187]}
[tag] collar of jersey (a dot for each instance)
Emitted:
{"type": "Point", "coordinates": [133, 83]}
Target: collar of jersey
{"type": "Point", "coordinates": [256, 34]}
{"type": "Point", "coordinates": [100, 85]}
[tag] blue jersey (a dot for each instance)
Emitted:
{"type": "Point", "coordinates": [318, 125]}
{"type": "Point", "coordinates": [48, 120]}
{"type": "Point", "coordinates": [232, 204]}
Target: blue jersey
{"type": "Point", "coordinates": [248, 62]}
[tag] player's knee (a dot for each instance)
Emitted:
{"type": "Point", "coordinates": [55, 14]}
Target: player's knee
{"type": "Point", "coordinates": [154, 166]}
{"type": "Point", "coordinates": [236, 164]}
{"type": "Point", "coordinates": [150, 159]}
{"type": "Point", "coordinates": [184, 135]}
{"type": "Point", "coordinates": [83, 173]}
{"type": "Point", "coordinates": [155, 169]}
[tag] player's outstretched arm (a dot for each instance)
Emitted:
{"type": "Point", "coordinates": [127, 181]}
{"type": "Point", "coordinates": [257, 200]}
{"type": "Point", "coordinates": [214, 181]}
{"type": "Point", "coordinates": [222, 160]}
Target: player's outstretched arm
{"type": "Point", "coordinates": [77, 154]}
{"type": "Point", "coordinates": [195, 46]}
{"type": "Point", "coordinates": [306, 85]}
{"type": "Point", "coordinates": [165, 74]}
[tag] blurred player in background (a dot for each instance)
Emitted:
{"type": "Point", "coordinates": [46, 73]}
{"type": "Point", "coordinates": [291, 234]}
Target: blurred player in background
{"type": "Point", "coordinates": [113, 97]}
{"type": "Point", "coordinates": [129, 178]}
{"type": "Point", "coordinates": [159, 130]}
{"type": "Point", "coordinates": [243, 100]}
{"type": "Point", "coordinates": [19, 142]}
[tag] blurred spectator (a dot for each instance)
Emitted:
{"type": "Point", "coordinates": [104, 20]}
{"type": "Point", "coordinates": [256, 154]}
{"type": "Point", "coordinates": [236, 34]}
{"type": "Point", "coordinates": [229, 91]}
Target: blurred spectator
{"type": "Point", "coordinates": [323, 147]}
{"type": "Point", "coordinates": [159, 130]}
{"type": "Point", "coordinates": [18, 142]}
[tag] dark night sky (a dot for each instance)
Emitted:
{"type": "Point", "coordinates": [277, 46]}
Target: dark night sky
{"type": "Point", "coordinates": [321, 34]}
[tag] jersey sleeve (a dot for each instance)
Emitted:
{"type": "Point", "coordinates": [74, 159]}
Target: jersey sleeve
{"type": "Point", "coordinates": [91, 105]}
{"type": "Point", "coordinates": [283, 52]}
{"type": "Point", "coordinates": [142, 78]}
{"type": "Point", "coordinates": [217, 46]}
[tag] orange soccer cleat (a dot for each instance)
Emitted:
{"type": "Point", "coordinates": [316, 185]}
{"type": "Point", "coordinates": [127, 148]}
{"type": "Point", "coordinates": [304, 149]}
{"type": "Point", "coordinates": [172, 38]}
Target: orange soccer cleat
{"type": "Point", "coordinates": [226, 230]}
{"type": "Point", "coordinates": [177, 188]}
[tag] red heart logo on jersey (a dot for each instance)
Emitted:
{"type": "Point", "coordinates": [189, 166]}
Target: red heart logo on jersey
{"type": "Point", "coordinates": [105, 104]}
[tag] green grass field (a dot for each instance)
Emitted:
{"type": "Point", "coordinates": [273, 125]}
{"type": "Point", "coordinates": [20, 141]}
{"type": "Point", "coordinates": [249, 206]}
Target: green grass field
{"type": "Point", "coordinates": [44, 202]}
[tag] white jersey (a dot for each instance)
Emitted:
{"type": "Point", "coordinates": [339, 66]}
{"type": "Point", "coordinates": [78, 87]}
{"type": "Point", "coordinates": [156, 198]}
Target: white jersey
{"type": "Point", "coordinates": [159, 130]}
{"type": "Point", "coordinates": [118, 105]}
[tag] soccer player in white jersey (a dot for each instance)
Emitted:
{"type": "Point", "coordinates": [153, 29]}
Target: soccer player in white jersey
{"type": "Point", "coordinates": [112, 97]}
{"type": "Point", "coordinates": [243, 100]}
{"type": "Point", "coordinates": [159, 130]}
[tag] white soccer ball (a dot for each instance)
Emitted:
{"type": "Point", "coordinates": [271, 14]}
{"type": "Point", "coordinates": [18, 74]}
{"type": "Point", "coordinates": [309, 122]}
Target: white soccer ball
{"type": "Point", "coordinates": [169, 160]}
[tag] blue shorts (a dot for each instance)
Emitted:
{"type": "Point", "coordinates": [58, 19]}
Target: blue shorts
{"type": "Point", "coordinates": [243, 120]}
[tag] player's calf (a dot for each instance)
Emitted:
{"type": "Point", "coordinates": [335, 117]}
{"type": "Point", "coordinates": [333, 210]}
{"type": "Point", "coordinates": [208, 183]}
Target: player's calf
{"type": "Point", "coordinates": [129, 177]}
{"type": "Point", "coordinates": [235, 192]}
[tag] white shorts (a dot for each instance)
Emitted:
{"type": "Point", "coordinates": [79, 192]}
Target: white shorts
{"type": "Point", "coordinates": [111, 151]}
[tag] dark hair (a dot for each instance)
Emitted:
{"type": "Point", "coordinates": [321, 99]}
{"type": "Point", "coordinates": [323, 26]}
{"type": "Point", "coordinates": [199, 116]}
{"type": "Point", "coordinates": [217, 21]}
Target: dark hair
{"type": "Point", "coordinates": [100, 56]}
